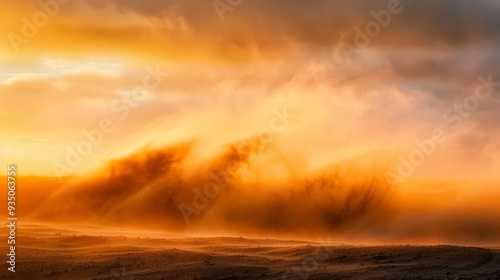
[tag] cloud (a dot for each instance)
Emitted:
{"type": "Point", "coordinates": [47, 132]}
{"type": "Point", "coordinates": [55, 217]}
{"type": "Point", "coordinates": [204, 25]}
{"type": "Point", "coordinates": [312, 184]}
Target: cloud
{"type": "Point", "coordinates": [321, 22]}
{"type": "Point", "coordinates": [191, 30]}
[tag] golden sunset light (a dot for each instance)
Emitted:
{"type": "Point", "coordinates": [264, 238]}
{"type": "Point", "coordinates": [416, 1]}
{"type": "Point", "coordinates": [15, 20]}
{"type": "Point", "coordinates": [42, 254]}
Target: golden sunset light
{"type": "Point", "coordinates": [250, 139]}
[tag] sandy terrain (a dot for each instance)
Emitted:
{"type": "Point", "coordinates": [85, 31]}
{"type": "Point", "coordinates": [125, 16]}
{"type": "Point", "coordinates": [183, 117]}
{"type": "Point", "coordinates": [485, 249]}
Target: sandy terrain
{"type": "Point", "coordinates": [82, 252]}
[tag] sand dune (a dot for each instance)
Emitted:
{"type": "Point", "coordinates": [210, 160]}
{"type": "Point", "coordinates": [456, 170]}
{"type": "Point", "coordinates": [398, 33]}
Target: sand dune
{"type": "Point", "coordinates": [84, 252]}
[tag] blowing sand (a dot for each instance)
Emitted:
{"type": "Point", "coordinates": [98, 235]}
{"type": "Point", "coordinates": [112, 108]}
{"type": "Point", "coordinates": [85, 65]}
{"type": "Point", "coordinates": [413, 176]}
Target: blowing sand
{"type": "Point", "coordinates": [83, 252]}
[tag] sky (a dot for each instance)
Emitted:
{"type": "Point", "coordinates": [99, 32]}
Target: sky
{"type": "Point", "coordinates": [219, 63]}
{"type": "Point", "coordinates": [85, 84]}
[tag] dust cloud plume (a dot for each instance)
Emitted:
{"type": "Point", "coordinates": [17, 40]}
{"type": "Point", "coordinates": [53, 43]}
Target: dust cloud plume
{"type": "Point", "coordinates": [228, 193]}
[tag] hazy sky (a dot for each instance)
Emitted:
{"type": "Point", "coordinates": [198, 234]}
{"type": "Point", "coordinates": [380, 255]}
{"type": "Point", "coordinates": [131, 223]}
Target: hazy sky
{"type": "Point", "coordinates": [359, 77]}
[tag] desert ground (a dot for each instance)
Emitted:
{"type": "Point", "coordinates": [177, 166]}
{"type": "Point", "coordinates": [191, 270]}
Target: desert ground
{"type": "Point", "coordinates": [47, 251]}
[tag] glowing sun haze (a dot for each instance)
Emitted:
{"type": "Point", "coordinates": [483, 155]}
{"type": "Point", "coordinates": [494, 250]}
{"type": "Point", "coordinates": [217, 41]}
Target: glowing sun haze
{"type": "Point", "coordinates": [355, 117]}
